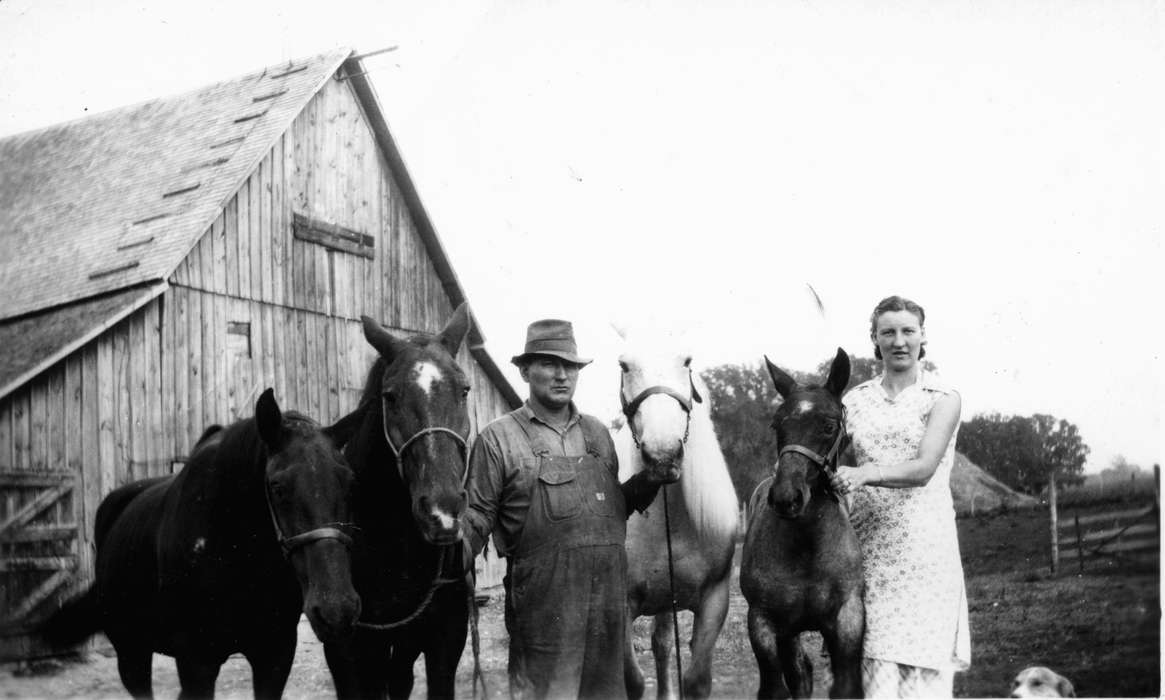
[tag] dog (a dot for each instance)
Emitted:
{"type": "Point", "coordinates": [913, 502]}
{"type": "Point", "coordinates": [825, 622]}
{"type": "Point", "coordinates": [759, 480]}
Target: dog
{"type": "Point", "coordinates": [1041, 682]}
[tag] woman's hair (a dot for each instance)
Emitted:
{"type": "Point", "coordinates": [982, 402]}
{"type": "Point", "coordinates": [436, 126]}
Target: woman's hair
{"type": "Point", "coordinates": [896, 303]}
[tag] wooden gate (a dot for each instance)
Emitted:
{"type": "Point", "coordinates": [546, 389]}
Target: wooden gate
{"type": "Point", "coordinates": [38, 558]}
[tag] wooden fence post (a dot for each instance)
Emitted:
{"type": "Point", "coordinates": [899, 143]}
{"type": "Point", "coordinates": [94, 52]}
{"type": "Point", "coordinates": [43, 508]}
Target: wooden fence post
{"type": "Point", "coordinates": [1054, 523]}
{"type": "Point", "coordinates": [1079, 542]}
{"type": "Point", "coordinates": [1157, 484]}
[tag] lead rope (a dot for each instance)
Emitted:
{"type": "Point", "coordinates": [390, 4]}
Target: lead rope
{"type": "Point", "coordinates": [437, 583]}
{"type": "Point", "coordinates": [671, 580]}
{"type": "Point", "coordinates": [475, 639]}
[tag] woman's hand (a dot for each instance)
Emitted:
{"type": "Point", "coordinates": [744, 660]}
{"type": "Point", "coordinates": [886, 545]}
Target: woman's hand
{"type": "Point", "coordinates": [848, 479]}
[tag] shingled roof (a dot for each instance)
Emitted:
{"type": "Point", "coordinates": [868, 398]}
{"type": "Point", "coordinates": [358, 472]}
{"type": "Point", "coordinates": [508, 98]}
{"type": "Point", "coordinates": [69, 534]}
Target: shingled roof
{"type": "Point", "coordinates": [118, 199]}
{"type": "Point", "coordinates": [93, 209]}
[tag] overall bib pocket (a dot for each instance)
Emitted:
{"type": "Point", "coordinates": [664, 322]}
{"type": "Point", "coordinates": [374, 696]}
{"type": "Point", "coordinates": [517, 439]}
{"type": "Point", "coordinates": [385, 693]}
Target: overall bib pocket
{"type": "Point", "coordinates": [560, 492]}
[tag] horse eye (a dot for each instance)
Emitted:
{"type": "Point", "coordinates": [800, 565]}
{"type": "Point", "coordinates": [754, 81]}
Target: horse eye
{"type": "Point", "coordinates": [389, 396]}
{"type": "Point", "coordinates": [465, 392]}
{"type": "Point", "coordinates": [623, 367]}
{"type": "Point", "coordinates": [688, 361]}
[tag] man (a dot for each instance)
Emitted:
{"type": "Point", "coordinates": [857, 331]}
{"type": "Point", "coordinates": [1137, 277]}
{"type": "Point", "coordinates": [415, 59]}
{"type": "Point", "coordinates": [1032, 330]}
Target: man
{"type": "Point", "coordinates": [544, 481]}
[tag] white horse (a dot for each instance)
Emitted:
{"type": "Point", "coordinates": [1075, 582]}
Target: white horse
{"type": "Point", "coordinates": [668, 429]}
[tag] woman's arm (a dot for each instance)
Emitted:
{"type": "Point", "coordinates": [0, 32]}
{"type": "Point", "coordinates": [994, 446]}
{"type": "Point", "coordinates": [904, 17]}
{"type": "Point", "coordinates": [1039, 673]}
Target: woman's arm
{"type": "Point", "coordinates": [940, 426]}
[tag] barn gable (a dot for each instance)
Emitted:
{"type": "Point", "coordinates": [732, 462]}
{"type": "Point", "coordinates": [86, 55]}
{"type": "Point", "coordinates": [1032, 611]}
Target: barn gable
{"type": "Point", "coordinates": [95, 207]}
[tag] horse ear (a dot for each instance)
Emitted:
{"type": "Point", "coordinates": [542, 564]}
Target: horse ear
{"type": "Point", "coordinates": [456, 329]}
{"type": "Point", "coordinates": [385, 343]}
{"type": "Point", "coordinates": [269, 419]}
{"type": "Point", "coordinates": [342, 430]}
{"type": "Point", "coordinates": [838, 374]}
{"type": "Point", "coordinates": [781, 380]}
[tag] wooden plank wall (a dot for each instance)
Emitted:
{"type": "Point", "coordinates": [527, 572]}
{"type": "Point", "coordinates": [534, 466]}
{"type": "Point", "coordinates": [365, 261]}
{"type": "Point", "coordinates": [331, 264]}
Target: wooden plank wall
{"type": "Point", "coordinates": [326, 166]}
{"type": "Point", "coordinates": [95, 420]}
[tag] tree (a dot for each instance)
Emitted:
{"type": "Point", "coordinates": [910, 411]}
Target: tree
{"type": "Point", "coordinates": [1120, 470]}
{"type": "Point", "coordinates": [1063, 450]}
{"type": "Point", "coordinates": [861, 369]}
{"type": "Point", "coordinates": [1004, 446]}
{"type": "Point", "coordinates": [1024, 452]}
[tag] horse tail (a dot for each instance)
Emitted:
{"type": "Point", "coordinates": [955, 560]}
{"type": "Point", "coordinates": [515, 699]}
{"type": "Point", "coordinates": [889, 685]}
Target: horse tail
{"type": "Point", "coordinates": [75, 621]}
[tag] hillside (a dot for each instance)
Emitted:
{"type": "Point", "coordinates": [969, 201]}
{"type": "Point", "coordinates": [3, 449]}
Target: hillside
{"type": "Point", "coordinates": [971, 487]}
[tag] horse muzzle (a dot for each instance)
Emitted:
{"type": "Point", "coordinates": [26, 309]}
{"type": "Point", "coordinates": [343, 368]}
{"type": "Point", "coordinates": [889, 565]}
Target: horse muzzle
{"type": "Point", "coordinates": [332, 613]}
{"type": "Point", "coordinates": [665, 466]}
{"type": "Point", "coordinates": [788, 502]}
{"type": "Point", "coordinates": [440, 529]}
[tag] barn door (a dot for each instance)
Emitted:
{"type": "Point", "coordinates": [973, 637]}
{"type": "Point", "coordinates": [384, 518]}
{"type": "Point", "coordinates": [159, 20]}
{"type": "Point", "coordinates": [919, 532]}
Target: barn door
{"type": "Point", "coordinates": [37, 551]}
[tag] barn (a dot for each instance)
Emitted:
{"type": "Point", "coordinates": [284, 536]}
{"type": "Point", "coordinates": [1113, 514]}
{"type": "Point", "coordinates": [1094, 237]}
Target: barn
{"type": "Point", "coordinates": [165, 262]}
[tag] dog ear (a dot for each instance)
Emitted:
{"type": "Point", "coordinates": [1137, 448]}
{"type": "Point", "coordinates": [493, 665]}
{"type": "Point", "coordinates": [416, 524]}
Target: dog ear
{"type": "Point", "coordinates": [1065, 687]}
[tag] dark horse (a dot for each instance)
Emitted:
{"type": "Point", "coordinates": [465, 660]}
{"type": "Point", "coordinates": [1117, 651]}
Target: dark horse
{"type": "Point", "coordinates": [222, 557]}
{"type": "Point", "coordinates": [409, 456]}
{"type": "Point", "coordinates": [801, 567]}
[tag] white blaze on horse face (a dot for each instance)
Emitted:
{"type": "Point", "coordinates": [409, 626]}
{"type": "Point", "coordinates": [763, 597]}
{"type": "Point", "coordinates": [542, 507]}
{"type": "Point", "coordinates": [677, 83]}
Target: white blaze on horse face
{"type": "Point", "coordinates": [803, 406]}
{"type": "Point", "coordinates": [426, 374]}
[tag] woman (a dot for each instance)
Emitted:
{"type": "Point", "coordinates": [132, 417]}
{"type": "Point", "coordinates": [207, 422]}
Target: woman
{"type": "Point", "coordinates": [903, 425]}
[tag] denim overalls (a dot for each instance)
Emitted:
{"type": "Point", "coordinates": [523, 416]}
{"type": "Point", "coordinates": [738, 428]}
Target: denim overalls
{"type": "Point", "coordinates": [567, 576]}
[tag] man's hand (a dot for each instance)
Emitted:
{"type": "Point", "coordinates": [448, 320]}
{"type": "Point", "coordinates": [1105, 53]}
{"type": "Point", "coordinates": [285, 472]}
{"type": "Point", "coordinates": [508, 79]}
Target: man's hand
{"type": "Point", "coordinates": [639, 491]}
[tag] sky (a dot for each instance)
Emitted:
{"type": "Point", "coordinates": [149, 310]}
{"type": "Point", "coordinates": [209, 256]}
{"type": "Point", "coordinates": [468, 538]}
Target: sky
{"type": "Point", "coordinates": [682, 168]}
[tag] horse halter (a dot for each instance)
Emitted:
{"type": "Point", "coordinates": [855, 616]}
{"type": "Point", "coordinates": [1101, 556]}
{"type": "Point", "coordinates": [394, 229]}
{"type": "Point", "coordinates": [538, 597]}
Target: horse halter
{"type": "Point", "coordinates": [828, 462]}
{"type": "Point", "coordinates": [290, 544]}
{"type": "Point", "coordinates": [399, 453]}
{"type": "Point", "coordinates": [630, 408]}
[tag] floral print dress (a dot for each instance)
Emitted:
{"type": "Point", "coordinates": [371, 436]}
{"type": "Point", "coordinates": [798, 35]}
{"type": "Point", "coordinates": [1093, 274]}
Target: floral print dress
{"type": "Point", "coordinates": [916, 603]}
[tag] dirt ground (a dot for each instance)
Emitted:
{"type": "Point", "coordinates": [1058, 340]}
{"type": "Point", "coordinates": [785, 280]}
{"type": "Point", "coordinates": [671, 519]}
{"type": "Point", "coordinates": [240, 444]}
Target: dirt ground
{"type": "Point", "coordinates": [1101, 629]}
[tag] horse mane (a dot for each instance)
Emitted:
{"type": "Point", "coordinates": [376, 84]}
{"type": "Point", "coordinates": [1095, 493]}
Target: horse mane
{"type": "Point", "coordinates": [706, 484]}
{"type": "Point", "coordinates": [241, 441]}
{"type": "Point", "coordinates": [372, 381]}
{"type": "Point", "coordinates": [206, 434]}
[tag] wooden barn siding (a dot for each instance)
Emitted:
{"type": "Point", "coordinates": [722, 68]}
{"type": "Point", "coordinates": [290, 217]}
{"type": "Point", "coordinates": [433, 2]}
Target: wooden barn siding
{"type": "Point", "coordinates": [95, 419]}
{"type": "Point", "coordinates": [326, 166]}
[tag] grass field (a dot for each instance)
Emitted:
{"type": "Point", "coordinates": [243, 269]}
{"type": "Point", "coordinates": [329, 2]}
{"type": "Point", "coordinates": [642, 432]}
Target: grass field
{"type": "Point", "coordinates": [1101, 629]}
{"type": "Point", "coordinates": [1096, 489]}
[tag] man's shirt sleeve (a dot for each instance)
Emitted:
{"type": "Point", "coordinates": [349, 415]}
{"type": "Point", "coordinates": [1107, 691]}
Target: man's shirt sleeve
{"type": "Point", "coordinates": [486, 479]}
